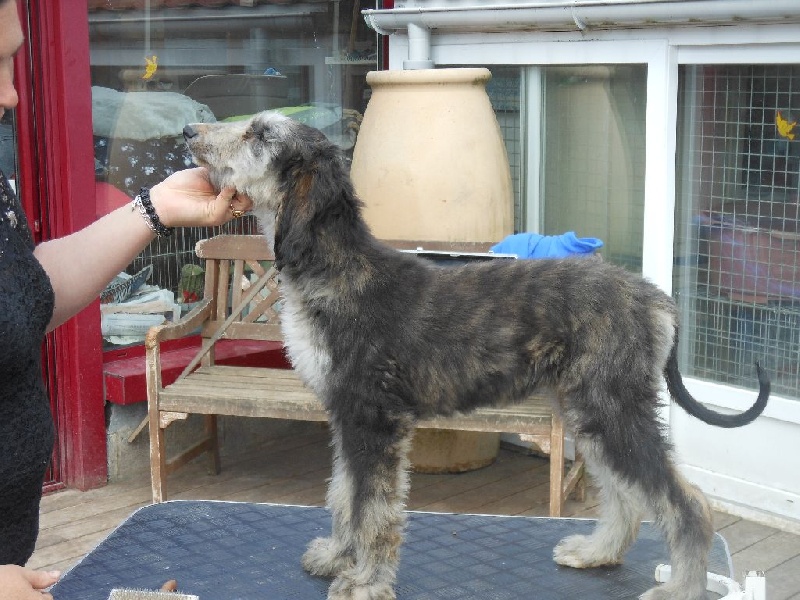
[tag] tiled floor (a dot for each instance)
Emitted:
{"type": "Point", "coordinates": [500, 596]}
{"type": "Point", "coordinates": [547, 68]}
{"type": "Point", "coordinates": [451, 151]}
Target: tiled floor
{"type": "Point", "coordinates": [293, 468]}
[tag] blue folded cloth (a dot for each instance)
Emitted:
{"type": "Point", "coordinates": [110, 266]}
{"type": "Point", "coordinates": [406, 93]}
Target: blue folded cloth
{"type": "Point", "coordinates": [534, 245]}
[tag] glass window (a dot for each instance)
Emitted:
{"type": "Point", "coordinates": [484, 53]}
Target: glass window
{"type": "Point", "coordinates": [157, 65]}
{"type": "Point", "coordinates": [592, 146]}
{"type": "Point", "coordinates": [737, 241]}
{"type": "Point", "coordinates": [593, 156]}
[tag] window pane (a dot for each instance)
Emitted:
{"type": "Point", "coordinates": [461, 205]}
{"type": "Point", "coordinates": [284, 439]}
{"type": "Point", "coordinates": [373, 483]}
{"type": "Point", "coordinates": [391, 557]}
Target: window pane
{"type": "Point", "coordinates": [593, 149]}
{"type": "Point", "coordinates": [737, 237]}
{"type": "Point", "coordinates": [156, 66]}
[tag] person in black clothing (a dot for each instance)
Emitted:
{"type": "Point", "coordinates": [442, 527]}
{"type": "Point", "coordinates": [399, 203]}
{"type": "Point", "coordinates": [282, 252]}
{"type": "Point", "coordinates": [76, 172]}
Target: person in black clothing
{"type": "Point", "coordinates": [40, 288]}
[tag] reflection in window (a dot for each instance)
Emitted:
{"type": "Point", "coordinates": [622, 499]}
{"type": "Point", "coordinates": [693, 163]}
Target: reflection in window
{"type": "Point", "coordinates": [593, 156]}
{"type": "Point", "coordinates": [8, 147]}
{"type": "Point", "coordinates": [737, 236]}
{"type": "Point", "coordinates": [505, 93]}
{"type": "Point", "coordinates": [157, 65]}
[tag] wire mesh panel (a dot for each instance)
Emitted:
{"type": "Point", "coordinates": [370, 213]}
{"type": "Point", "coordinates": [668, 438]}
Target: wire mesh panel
{"type": "Point", "coordinates": [737, 237]}
{"type": "Point", "coordinates": [505, 92]}
{"type": "Point", "coordinates": [729, 337]}
{"type": "Point", "coordinates": [170, 255]}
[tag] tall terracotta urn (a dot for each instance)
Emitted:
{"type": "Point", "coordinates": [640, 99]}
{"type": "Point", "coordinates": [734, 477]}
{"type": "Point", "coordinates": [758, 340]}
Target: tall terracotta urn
{"type": "Point", "coordinates": [430, 165]}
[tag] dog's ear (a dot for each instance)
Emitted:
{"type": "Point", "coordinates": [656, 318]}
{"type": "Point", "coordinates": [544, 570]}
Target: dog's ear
{"type": "Point", "coordinates": [293, 234]}
{"type": "Point", "coordinates": [317, 195]}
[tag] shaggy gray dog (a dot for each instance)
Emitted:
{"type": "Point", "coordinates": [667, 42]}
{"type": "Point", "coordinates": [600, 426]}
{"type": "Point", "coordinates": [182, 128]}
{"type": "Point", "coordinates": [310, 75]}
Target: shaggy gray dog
{"type": "Point", "coordinates": [386, 338]}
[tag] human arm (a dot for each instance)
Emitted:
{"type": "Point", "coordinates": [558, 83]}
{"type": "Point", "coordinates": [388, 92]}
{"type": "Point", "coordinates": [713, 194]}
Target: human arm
{"type": "Point", "coordinates": [80, 265]}
{"type": "Point", "coordinates": [21, 583]}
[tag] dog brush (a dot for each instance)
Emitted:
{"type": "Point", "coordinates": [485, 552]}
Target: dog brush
{"type": "Point", "coordinates": [127, 594]}
{"type": "Point", "coordinates": [167, 592]}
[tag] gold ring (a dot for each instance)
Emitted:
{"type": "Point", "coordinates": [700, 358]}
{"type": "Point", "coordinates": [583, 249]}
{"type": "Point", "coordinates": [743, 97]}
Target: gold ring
{"type": "Point", "coordinates": [237, 214]}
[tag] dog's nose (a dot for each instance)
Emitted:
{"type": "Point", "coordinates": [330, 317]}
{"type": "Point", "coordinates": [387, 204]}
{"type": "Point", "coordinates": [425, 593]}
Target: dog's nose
{"type": "Point", "coordinates": [189, 132]}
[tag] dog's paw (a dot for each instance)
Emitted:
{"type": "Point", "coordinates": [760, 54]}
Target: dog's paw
{"type": "Point", "coordinates": [325, 558]}
{"type": "Point", "coordinates": [670, 592]}
{"type": "Point", "coordinates": [581, 552]}
{"type": "Point", "coordinates": [347, 588]}
{"type": "Point", "coordinates": [657, 593]}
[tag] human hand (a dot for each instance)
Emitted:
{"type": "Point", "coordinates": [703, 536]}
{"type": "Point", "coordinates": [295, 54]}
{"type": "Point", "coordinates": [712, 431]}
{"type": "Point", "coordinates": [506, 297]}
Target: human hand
{"type": "Point", "coordinates": [187, 199]}
{"type": "Point", "coordinates": [21, 583]}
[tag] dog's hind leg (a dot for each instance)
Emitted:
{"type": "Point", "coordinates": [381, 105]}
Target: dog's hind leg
{"type": "Point", "coordinates": [329, 556]}
{"type": "Point", "coordinates": [630, 461]}
{"type": "Point", "coordinates": [620, 517]}
{"type": "Point", "coordinates": [684, 516]}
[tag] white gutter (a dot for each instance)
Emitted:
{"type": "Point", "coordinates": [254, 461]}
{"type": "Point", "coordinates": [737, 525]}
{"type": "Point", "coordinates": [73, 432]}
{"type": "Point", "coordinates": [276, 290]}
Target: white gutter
{"type": "Point", "coordinates": [570, 15]}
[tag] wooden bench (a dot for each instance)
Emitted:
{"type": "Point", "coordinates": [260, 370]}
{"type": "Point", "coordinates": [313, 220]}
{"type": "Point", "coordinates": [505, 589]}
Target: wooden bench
{"type": "Point", "coordinates": [241, 301]}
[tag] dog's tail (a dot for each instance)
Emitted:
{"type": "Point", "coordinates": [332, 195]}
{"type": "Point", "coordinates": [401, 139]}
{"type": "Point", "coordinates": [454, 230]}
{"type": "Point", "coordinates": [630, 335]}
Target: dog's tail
{"type": "Point", "coordinates": [685, 400]}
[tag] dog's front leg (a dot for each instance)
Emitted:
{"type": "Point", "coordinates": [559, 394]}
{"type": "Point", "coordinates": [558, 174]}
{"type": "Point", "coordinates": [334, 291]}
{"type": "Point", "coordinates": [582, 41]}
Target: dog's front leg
{"type": "Point", "coordinates": [367, 497]}
{"type": "Point", "coordinates": [330, 556]}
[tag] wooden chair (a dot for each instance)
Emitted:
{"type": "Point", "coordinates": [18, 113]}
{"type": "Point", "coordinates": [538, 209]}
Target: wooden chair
{"type": "Point", "coordinates": [236, 307]}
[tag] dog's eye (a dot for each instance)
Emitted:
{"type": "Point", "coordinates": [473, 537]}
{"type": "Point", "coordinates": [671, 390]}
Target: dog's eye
{"type": "Point", "coordinates": [256, 131]}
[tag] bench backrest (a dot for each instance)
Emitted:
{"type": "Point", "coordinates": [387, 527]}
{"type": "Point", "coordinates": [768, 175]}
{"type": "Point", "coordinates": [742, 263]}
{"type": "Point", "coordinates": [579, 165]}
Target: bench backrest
{"type": "Point", "coordinates": [234, 266]}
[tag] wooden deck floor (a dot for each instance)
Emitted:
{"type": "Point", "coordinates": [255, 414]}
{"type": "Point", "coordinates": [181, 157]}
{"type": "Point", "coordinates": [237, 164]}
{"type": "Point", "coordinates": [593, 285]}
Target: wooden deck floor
{"type": "Point", "coordinates": [292, 469]}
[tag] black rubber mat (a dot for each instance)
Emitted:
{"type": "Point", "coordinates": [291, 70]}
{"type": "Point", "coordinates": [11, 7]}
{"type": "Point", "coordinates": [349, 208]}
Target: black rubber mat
{"type": "Point", "coordinates": [243, 551]}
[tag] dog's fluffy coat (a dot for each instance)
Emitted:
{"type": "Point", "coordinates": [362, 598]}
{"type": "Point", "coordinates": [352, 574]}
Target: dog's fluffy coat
{"type": "Point", "coordinates": [385, 338]}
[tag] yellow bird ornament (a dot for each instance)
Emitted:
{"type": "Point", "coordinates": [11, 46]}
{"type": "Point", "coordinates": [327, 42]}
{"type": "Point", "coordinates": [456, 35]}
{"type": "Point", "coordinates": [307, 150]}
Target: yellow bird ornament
{"type": "Point", "coordinates": [151, 64]}
{"type": "Point", "coordinates": [785, 127]}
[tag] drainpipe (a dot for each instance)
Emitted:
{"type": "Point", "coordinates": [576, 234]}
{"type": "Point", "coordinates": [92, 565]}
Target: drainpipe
{"type": "Point", "coordinates": [419, 48]}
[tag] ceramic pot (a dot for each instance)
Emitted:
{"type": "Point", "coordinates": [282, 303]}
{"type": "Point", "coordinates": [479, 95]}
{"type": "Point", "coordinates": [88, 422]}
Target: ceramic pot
{"type": "Point", "coordinates": [430, 162]}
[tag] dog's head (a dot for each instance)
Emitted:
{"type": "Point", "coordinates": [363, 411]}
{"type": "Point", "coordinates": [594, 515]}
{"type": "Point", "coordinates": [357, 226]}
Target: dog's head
{"type": "Point", "coordinates": [254, 156]}
{"type": "Point", "coordinates": [294, 175]}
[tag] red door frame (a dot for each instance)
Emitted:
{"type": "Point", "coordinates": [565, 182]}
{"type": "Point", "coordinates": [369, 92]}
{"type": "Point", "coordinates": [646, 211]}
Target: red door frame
{"type": "Point", "coordinates": [56, 166]}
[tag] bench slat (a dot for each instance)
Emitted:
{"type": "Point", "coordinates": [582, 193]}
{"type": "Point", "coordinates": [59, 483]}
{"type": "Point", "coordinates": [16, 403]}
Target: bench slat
{"type": "Point", "coordinates": [242, 247]}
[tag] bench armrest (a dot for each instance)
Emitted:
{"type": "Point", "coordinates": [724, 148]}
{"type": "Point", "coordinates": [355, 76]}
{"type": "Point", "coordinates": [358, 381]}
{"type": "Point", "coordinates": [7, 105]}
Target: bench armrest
{"type": "Point", "coordinates": [180, 328]}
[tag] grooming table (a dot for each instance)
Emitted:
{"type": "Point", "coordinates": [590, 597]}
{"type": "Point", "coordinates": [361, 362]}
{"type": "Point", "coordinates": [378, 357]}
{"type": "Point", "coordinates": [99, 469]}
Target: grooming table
{"type": "Point", "coordinates": [244, 551]}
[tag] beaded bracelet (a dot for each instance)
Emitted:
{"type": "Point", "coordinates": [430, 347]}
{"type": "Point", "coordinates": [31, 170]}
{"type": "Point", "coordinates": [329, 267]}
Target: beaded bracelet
{"type": "Point", "coordinates": [148, 211]}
